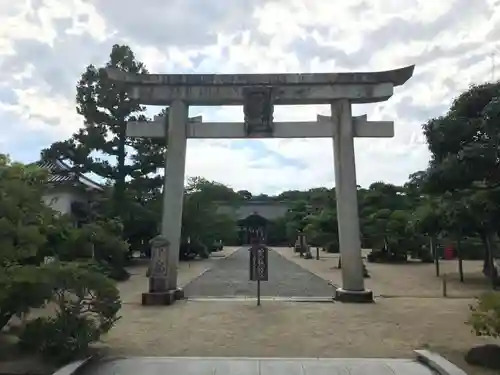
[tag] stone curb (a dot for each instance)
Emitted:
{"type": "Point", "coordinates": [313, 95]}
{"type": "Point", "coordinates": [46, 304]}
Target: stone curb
{"type": "Point", "coordinates": [433, 361]}
{"type": "Point", "coordinates": [437, 363]}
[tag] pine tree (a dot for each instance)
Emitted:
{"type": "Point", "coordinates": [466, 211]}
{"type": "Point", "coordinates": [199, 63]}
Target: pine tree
{"type": "Point", "coordinates": [101, 145]}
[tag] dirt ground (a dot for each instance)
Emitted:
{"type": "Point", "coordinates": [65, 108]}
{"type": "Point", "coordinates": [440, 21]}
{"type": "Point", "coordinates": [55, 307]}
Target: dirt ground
{"type": "Point", "coordinates": [388, 328]}
{"type": "Point", "coordinates": [392, 327]}
{"type": "Point", "coordinates": [414, 279]}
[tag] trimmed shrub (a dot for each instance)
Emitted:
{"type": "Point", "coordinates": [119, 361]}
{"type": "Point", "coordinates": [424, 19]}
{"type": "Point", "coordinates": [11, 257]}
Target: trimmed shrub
{"type": "Point", "coordinates": [485, 315]}
{"type": "Point", "coordinates": [86, 305]}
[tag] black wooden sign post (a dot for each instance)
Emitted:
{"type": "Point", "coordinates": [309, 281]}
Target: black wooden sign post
{"type": "Point", "coordinates": [258, 266]}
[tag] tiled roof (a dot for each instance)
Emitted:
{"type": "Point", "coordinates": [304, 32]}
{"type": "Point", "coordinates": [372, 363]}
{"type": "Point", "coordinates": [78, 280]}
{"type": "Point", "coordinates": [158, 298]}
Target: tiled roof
{"type": "Point", "coordinates": [60, 172]}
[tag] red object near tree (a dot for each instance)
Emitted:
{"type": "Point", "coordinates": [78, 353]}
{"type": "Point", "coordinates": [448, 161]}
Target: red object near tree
{"type": "Point", "coordinates": [449, 253]}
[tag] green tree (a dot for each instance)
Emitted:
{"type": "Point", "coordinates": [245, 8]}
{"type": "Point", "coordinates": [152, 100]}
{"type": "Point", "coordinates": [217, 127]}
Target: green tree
{"type": "Point", "coordinates": [397, 231]}
{"type": "Point", "coordinates": [377, 204]}
{"type": "Point", "coordinates": [295, 217]}
{"type": "Point", "coordinates": [428, 220]}
{"type": "Point", "coordinates": [276, 232]}
{"type": "Point", "coordinates": [29, 231]}
{"type": "Point", "coordinates": [23, 220]}
{"type": "Point", "coordinates": [200, 219]}
{"type": "Point", "coordinates": [322, 230]}
{"type": "Point", "coordinates": [262, 197]}
{"type": "Point", "coordinates": [465, 150]}
{"type": "Point", "coordinates": [483, 214]}
{"type": "Point", "coordinates": [86, 304]}
{"type": "Point", "coordinates": [140, 218]}
{"type": "Point", "coordinates": [245, 194]}
{"type": "Point", "coordinates": [101, 146]}
{"type": "Point", "coordinates": [485, 315]}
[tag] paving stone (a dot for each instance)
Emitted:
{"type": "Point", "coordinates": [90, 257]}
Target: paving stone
{"type": "Point", "coordinates": [230, 277]}
{"type": "Point", "coordinates": [254, 366]}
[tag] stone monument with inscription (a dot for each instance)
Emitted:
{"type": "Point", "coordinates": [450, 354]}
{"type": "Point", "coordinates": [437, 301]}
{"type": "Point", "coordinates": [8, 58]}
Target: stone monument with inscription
{"type": "Point", "coordinates": [258, 94]}
{"type": "Point", "coordinates": [159, 293]}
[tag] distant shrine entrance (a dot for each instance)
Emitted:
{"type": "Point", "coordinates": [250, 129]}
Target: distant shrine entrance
{"type": "Point", "coordinates": [253, 226]}
{"type": "Point", "coordinates": [254, 217]}
{"type": "Point", "coordinates": [258, 94]}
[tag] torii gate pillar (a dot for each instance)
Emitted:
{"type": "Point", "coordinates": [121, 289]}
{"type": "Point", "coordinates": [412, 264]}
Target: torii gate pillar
{"type": "Point", "coordinates": [173, 188]}
{"type": "Point", "coordinates": [353, 289]}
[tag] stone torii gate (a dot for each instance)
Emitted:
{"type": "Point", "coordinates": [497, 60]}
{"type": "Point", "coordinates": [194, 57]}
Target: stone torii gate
{"type": "Point", "coordinates": [258, 93]}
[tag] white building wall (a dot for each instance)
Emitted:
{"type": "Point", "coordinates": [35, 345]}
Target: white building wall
{"type": "Point", "coordinates": [60, 200]}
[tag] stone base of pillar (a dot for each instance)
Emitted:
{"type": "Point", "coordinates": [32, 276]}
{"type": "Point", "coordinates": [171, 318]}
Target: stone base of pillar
{"type": "Point", "coordinates": [162, 298]}
{"type": "Point", "coordinates": [354, 296]}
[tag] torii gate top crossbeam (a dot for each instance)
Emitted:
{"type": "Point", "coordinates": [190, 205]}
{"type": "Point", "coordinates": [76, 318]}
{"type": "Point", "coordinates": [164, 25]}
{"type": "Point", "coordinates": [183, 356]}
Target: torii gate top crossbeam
{"type": "Point", "coordinates": [397, 77]}
{"type": "Point", "coordinates": [230, 89]}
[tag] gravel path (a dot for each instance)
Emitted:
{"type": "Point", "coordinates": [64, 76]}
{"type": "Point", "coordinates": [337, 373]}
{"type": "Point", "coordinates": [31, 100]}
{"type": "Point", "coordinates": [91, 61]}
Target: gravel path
{"type": "Point", "coordinates": [413, 279]}
{"type": "Point", "coordinates": [229, 278]}
{"type": "Point", "coordinates": [389, 328]}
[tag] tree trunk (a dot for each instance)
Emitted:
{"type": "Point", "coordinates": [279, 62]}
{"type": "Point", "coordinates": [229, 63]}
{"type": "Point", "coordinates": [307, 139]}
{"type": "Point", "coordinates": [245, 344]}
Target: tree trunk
{"type": "Point", "coordinates": [119, 188]}
{"type": "Point", "coordinates": [434, 252]}
{"type": "Point", "coordinates": [386, 245]}
{"type": "Point", "coordinates": [460, 263]}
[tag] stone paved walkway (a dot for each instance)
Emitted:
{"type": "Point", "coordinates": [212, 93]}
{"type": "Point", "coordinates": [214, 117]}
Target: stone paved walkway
{"type": "Point", "coordinates": [263, 366]}
{"type": "Point", "coordinates": [229, 278]}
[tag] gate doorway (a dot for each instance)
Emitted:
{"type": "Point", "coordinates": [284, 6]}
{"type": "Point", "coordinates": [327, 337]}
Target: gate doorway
{"type": "Point", "coordinates": [253, 226]}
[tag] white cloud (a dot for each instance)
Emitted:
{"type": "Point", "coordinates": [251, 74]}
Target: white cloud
{"type": "Point", "coordinates": [46, 44]}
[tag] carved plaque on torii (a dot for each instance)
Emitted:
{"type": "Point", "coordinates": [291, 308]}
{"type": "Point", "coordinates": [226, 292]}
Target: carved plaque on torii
{"type": "Point", "coordinates": [258, 109]}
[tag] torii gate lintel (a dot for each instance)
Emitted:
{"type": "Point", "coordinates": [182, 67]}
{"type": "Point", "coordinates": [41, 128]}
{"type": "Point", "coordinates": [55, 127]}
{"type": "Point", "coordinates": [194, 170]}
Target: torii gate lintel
{"type": "Point", "coordinates": [323, 127]}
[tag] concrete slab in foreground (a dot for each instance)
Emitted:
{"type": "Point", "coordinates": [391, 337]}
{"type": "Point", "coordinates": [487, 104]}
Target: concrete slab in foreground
{"type": "Point", "coordinates": [425, 363]}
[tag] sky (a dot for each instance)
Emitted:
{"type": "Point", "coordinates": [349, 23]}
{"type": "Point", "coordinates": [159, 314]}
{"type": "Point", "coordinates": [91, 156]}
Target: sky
{"type": "Point", "coordinates": [45, 46]}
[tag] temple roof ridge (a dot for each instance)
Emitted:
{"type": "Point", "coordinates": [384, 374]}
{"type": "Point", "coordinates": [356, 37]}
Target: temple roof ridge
{"type": "Point", "coordinates": [60, 172]}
